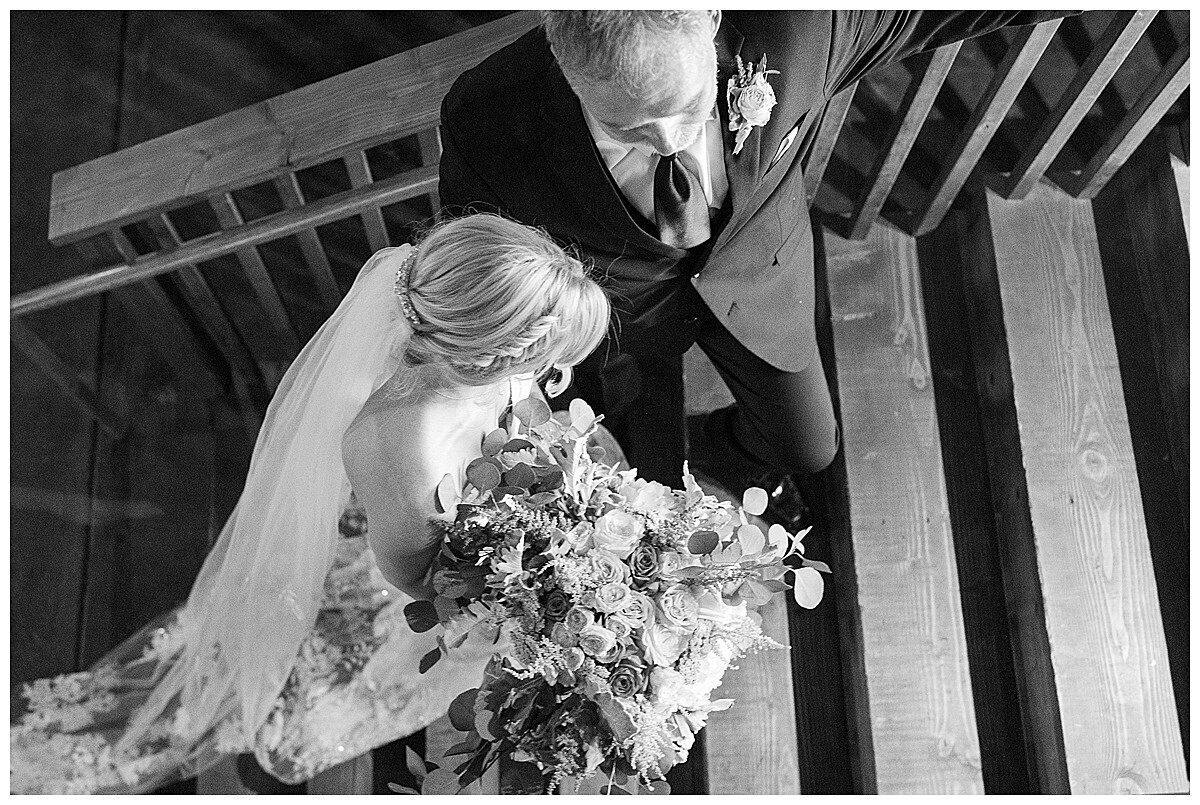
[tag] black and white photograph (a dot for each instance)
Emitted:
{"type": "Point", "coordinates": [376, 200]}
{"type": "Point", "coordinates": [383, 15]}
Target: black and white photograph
{"type": "Point", "coordinates": [605, 401]}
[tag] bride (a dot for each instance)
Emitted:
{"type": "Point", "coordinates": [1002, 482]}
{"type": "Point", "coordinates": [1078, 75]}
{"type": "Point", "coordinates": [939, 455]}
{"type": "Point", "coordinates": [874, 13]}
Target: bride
{"type": "Point", "coordinates": [293, 644]}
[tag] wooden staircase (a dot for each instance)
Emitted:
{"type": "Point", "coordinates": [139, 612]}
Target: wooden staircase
{"type": "Point", "coordinates": [1005, 326]}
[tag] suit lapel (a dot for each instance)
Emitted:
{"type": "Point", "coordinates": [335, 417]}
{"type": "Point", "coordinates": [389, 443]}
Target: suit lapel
{"type": "Point", "coordinates": [572, 154]}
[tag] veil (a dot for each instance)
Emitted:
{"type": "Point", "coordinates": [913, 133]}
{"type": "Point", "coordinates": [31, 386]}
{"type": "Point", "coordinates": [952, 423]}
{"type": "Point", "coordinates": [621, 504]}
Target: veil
{"type": "Point", "coordinates": [259, 590]}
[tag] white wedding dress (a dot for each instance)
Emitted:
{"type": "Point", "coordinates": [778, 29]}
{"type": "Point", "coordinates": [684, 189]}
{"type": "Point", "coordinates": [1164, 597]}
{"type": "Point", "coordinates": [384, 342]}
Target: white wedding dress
{"type": "Point", "coordinates": [292, 645]}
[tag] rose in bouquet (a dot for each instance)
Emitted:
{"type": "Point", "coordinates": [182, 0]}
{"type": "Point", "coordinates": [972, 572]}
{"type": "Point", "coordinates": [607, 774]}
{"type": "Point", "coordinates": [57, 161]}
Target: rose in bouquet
{"type": "Point", "coordinates": [616, 605]}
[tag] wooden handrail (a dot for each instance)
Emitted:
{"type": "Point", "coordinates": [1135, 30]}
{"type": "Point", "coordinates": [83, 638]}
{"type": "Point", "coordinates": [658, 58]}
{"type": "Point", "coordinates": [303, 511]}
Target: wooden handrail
{"type": "Point", "coordinates": [388, 191]}
{"type": "Point", "coordinates": [379, 102]}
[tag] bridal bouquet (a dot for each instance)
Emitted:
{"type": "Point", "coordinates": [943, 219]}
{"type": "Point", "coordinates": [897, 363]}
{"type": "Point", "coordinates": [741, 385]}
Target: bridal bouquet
{"type": "Point", "coordinates": [620, 603]}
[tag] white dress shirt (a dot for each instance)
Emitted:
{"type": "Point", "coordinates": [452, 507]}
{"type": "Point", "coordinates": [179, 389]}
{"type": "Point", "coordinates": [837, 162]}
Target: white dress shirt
{"type": "Point", "coordinates": [632, 166]}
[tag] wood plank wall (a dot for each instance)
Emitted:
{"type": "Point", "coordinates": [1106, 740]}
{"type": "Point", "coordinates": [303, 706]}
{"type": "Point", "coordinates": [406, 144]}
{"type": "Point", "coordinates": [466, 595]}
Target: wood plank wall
{"type": "Point", "coordinates": [52, 441]}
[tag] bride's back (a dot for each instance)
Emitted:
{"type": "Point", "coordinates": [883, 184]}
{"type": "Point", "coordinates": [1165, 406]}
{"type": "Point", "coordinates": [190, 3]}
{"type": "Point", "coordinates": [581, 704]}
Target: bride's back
{"type": "Point", "coordinates": [397, 451]}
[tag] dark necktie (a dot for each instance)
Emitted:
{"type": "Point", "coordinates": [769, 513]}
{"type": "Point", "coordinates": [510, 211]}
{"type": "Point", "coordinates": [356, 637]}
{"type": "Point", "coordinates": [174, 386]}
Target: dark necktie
{"type": "Point", "coordinates": [680, 209]}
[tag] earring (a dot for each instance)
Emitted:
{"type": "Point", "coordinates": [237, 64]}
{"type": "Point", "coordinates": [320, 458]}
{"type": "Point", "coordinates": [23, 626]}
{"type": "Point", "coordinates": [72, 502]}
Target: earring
{"type": "Point", "coordinates": [558, 381]}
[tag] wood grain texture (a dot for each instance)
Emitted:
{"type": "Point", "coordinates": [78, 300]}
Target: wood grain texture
{"type": "Point", "coordinates": [922, 722]}
{"type": "Point", "coordinates": [906, 126]}
{"type": "Point", "coordinates": [1144, 252]}
{"type": "Point", "coordinates": [290, 222]}
{"type": "Point", "coordinates": [1019, 60]}
{"type": "Point", "coordinates": [751, 747]}
{"type": "Point", "coordinates": [1120, 732]}
{"type": "Point", "coordinates": [1109, 53]}
{"type": "Point", "coordinates": [383, 101]}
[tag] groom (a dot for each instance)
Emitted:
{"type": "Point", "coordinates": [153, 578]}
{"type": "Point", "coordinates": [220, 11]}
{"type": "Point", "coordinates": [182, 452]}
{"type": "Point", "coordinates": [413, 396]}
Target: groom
{"type": "Point", "coordinates": [610, 129]}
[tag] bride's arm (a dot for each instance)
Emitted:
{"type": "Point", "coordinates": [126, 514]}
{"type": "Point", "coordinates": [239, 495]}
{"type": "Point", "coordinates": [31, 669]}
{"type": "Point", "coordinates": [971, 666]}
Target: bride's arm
{"type": "Point", "coordinates": [396, 483]}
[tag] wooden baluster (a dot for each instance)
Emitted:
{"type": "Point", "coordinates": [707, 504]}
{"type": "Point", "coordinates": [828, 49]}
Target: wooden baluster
{"type": "Point", "coordinates": [360, 177]}
{"type": "Point", "coordinates": [430, 142]}
{"type": "Point", "coordinates": [832, 118]}
{"type": "Point", "coordinates": [1146, 112]}
{"type": "Point", "coordinates": [44, 358]}
{"type": "Point", "coordinates": [1093, 76]}
{"type": "Point", "coordinates": [154, 314]}
{"type": "Point", "coordinates": [243, 371]}
{"type": "Point", "coordinates": [200, 296]}
{"type": "Point", "coordinates": [314, 253]}
{"type": "Point", "coordinates": [910, 117]}
{"type": "Point", "coordinates": [1014, 69]}
{"type": "Point", "coordinates": [230, 217]}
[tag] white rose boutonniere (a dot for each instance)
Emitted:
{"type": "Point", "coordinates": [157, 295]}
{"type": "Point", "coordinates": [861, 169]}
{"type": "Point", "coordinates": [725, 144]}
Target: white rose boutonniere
{"type": "Point", "coordinates": [750, 98]}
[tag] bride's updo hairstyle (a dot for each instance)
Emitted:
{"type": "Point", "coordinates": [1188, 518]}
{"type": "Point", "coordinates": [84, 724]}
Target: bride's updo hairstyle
{"type": "Point", "coordinates": [491, 298]}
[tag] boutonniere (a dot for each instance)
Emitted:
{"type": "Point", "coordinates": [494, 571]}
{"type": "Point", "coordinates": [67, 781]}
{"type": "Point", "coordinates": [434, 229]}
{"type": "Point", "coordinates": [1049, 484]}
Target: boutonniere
{"type": "Point", "coordinates": [750, 98]}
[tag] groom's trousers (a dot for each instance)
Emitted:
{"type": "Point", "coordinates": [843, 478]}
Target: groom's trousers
{"type": "Point", "coordinates": [782, 421]}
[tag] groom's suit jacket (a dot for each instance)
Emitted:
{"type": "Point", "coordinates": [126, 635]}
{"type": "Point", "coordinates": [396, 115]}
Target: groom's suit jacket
{"type": "Point", "coordinates": [515, 140]}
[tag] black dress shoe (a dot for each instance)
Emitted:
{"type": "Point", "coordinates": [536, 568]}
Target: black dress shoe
{"type": "Point", "coordinates": [785, 503]}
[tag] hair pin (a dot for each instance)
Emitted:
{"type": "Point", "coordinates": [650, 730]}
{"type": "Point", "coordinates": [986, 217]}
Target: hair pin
{"type": "Point", "coordinates": [402, 288]}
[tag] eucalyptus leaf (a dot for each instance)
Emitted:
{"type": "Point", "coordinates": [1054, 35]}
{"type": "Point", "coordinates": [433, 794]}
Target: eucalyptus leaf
{"type": "Point", "coordinates": [777, 536]}
{"type": "Point", "coordinates": [520, 476]}
{"type": "Point", "coordinates": [501, 491]}
{"type": "Point", "coordinates": [810, 586]}
{"type": "Point", "coordinates": [462, 710]}
{"type": "Point", "coordinates": [483, 474]}
{"type": "Point", "coordinates": [703, 542]}
{"type": "Point", "coordinates": [752, 539]}
{"type": "Point", "coordinates": [582, 415]}
{"type": "Point", "coordinates": [551, 480]}
{"type": "Point", "coordinates": [430, 660]}
{"type": "Point", "coordinates": [532, 411]}
{"type": "Point", "coordinates": [483, 723]}
{"type": "Point", "coordinates": [513, 445]}
{"type": "Point", "coordinates": [609, 790]}
{"type": "Point", "coordinates": [421, 615]}
{"type": "Point", "coordinates": [754, 500]}
{"type": "Point", "coordinates": [415, 764]}
{"type": "Point", "coordinates": [821, 566]}
{"type": "Point", "coordinates": [494, 442]}
{"type": "Point", "coordinates": [542, 498]}
{"type": "Point", "coordinates": [596, 453]}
